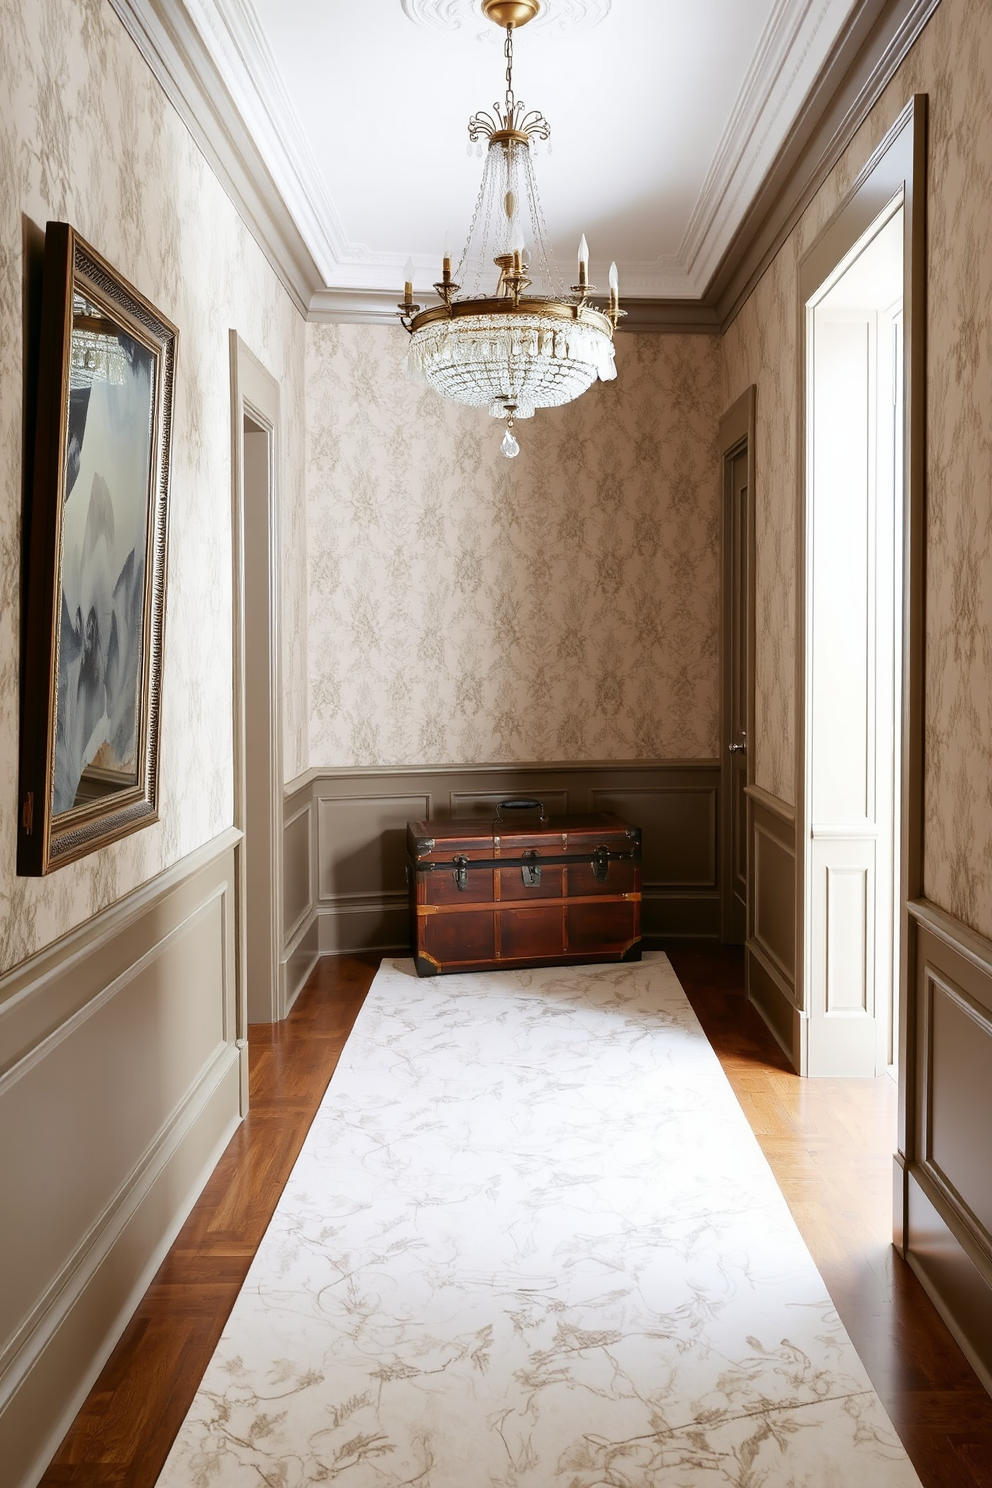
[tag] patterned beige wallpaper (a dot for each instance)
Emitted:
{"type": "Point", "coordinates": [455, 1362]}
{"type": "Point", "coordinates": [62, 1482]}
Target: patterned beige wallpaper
{"type": "Point", "coordinates": [86, 136]}
{"type": "Point", "coordinates": [955, 67]}
{"type": "Point", "coordinates": [760, 347]}
{"type": "Point", "coordinates": [464, 607]}
{"type": "Point", "coordinates": [952, 63]}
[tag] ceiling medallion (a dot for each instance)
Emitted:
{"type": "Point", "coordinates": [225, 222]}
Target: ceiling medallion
{"type": "Point", "coordinates": [522, 343]}
{"type": "Point", "coordinates": [560, 16]}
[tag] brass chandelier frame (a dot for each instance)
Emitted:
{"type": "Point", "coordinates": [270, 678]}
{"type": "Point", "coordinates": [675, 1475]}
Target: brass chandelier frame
{"type": "Point", "coordinates": [510, 123]}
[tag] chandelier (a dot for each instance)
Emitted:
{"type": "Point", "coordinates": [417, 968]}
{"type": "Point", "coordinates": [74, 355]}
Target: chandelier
{"type": "Point", "coordinates": [515, 341]}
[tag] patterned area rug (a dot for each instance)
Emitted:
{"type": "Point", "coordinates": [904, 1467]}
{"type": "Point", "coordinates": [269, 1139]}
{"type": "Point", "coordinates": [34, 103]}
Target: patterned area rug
{"type": "Point", "coordinates": [531, 1242]}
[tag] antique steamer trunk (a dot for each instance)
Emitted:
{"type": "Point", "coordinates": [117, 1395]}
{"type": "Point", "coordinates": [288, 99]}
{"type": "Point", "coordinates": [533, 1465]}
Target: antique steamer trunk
{"type": "Point", "coordinates": [527, 892]}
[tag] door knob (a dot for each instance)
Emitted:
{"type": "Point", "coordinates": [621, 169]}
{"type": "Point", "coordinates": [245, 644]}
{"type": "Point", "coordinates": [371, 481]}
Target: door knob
{"type": "Point", "coordinates": [737, 748]}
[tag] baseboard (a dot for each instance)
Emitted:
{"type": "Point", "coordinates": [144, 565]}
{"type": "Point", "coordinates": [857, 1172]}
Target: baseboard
{"type": "Point", "coordinates": [768, 991]}
{"type": "Point", "coordinates": [300, 956]}
{"type": "Point", "coordinates": [951, 1272]}
{"type": "Point", "coordinates": [673, 916]}
{"type": "Point", "coordinates": [121, 1071]}
{"type": "Point", "coordinates": [381, 923]}
{"type": "Point", "coordinates": [378, 922]}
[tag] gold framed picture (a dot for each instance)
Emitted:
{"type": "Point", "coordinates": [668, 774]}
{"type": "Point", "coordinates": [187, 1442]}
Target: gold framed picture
{"type": "Point", "coordinates": [97, 547]}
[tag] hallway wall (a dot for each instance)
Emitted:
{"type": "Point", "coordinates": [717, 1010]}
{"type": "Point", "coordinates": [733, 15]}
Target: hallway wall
{"type": "Point", "coordinates": [943, 1214]}
{"type": "Point", "coordinates": [86, 136]}
{"type": "Point", "coordinates": [122, 1055]}
{"type": "Point", "coordinates": [952, 62]}
{"type": "Point", "coordinates": [468, 608]}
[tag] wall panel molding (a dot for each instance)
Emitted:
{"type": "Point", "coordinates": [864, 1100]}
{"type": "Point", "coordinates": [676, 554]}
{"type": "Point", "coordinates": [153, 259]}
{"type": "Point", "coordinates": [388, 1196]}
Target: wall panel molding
{"type": "Point", "coordinates": [358, 842]}
{"type": "Point", "coordinates": [770, 948]}
{"type": "Point", "coordinates": [301, 929]}
{"type": "Point", "coordinates": [134, 1013]}
{"type": "Point", "coordinates": [945, 1173]}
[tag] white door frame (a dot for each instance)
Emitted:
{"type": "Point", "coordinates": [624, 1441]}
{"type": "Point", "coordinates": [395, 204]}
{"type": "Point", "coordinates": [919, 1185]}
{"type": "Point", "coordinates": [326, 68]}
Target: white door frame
{"type": "Point", "coordinates": [897, 166]}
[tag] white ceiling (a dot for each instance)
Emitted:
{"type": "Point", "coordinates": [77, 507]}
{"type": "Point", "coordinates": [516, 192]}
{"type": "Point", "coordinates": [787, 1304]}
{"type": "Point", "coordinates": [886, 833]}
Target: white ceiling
{"type": "Point", "coordinates": [665, 116]}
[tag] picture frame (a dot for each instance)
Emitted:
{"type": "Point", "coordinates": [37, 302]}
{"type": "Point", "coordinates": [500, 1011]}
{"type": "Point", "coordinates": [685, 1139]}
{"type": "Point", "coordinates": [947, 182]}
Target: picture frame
{"type": "Point", "coordinates": [97, 541]}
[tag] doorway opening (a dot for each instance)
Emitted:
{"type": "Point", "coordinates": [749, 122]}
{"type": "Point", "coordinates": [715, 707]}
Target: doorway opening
{"type": "Point", "coordinates": [258, 785]}
{"type": "Point", "coordinates": [854, 631]}
{"type": "Point", "coordinates": [261, 967]}
{"type": "Point", "coordinates": [737, 645]}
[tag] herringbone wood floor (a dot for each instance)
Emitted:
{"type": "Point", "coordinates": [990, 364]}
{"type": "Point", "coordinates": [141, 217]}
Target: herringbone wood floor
{"type": "Point", "coordinates": [829, 1143]}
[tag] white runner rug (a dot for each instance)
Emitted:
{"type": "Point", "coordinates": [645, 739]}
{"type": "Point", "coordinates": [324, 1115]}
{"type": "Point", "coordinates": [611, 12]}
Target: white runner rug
{"type": "Point", "coordinates": [531, 1242]}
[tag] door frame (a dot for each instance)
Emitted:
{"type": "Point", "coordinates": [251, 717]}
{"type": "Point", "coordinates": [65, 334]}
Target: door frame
{"type": "Point", "coordinates": [897, 166]}
{"type": "Point", "coordinates": [737, 426]}
{"type": "Point", "coordinates": [255, 394]}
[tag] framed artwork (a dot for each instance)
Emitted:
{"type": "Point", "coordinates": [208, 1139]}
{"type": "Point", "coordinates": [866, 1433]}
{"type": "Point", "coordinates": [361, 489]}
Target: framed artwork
{"type": "Point", "coordinates": [97, 534]}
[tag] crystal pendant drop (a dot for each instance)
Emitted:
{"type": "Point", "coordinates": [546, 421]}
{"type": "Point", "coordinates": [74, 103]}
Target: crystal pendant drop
{"type": "Point", "coordinates": [510, 447]}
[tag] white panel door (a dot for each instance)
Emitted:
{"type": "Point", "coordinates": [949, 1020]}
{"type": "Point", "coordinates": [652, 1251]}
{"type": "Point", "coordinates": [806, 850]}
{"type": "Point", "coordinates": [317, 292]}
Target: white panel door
{"type": "Point", "coordinates": [851, 602]}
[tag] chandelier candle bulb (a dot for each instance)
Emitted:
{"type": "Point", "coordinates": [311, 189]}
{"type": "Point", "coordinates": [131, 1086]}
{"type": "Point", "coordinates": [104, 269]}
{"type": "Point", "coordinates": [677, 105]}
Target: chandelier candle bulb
{"type": "Point", "coordinates": [408, 281]}
{"type": "Point", "coordinates": [614, 287]}
{"type": "Point", "coordinates": [583, 261]}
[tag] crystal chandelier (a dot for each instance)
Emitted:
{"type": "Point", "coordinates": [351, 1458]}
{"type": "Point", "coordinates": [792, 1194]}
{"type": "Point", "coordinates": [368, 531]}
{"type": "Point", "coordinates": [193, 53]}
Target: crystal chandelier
{"type": "Point", "coordinates": [522, 342]}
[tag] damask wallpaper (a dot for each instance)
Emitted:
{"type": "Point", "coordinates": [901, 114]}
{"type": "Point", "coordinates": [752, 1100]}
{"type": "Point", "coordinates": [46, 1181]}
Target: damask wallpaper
{"type": "Point", "coordinates": [955, 66]}
{"type": "Point", "coordinates": [761, 347]}
{"type": "Point", "coordinates": [87, 136]}
{"type": "Point", "coordinates": [464, 607]}
{"type": "Point", "coordinates": [952, 64]}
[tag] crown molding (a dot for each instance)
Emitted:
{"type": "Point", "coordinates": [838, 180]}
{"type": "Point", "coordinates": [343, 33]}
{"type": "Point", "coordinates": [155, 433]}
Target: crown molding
{"type": "Point", "coordinates": [354, 307]}
{"type": "Point", "coordinates": [685, 316]}
{"type": "Point", "coordinates": [179, 59]}
{"type": "Point", "coordinates": [378, 307]}
{"type": "Point", "coordinates": [242, 56]}
{"type": "Point", "coordinates": [860, 66]}
{"type": "Point", "coordinates": [246, 145]}
{"type": "Point", "coordinates": [778, 78]}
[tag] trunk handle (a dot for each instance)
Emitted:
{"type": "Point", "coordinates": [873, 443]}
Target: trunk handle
{"type": "Point", "coordinates": [523, 803]}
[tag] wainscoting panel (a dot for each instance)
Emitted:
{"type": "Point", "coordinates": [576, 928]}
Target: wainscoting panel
{"type": "Point", "coordinates": [949, 1164]}
{"type": "Point", "coordinates": [300, 926]}
{"type": "Point", "coordinates": [770, 950]}
{"type": "Point", "coordinates": [359, 822]}
{"type": "Point", "coordinates": [362, 843]}
{"type": "Point", "coordinates": [119, 1088]}
{"type": "Point", "coordinates": [297, 883]}
{"type": "Point", "coordinates": [840, 1000]}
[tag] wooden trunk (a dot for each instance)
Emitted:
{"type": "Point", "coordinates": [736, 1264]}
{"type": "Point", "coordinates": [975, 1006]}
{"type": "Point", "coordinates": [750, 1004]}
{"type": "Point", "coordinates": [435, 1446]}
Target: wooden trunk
{"type": "Point", "coordinates": [527, 892]}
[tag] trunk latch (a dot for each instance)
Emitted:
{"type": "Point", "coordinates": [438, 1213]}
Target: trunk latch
{"type": "Point", "coordinates": [601, 864]}
{"type": "Point", "coordinates": [461, 872]}
{"type": "Point", "coordinates": [531, 872]}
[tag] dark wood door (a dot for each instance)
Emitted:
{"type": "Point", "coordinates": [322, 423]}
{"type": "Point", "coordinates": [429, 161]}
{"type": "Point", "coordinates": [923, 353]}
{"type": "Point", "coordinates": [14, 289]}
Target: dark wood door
{"type": "Point", "coordinates": [737, 653]}
{"type": "Point", "coordinates": [739, 517]}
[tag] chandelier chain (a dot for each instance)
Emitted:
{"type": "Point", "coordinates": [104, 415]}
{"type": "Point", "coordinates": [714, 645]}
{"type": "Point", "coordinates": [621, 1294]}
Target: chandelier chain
{"type": "Point", "coordinates": [546, 259]}
{"type": "Point", "coordinates": [508, 54]}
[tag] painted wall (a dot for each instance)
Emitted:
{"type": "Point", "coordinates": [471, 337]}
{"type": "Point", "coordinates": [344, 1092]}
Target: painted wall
{"type": "Point", "coordinates": [87, 136]}
{"type": "Point", "coordinates": [952, 62]}
{"type": "Point", "coordinates": [468, 608]}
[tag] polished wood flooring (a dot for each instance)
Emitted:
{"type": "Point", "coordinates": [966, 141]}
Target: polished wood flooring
{"type": "Point", "coordinates": [829, 1143]}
